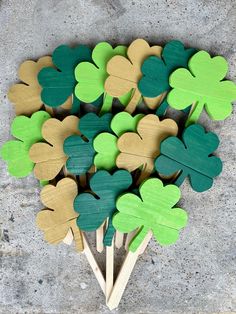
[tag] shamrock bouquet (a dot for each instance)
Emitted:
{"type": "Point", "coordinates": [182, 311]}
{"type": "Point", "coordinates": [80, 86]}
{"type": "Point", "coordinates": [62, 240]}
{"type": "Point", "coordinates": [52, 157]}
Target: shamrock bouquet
{"type": "Point", "coordinates": [92, 127]}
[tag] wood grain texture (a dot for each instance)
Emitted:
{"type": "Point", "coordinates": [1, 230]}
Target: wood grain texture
{"type": "Point", "coordinates": [25, 96]}
{"type": "Point", "coordinates": [125, 73]}
{"type": "Point", "coordinates": [191, 157]}
{"type": "Point", "coordinates": [49, 157]}
{"type": "Point", "coordinates": [59, 215]}
{"type": "Point", "coordinates": [154, 210]}
{"type": "Point", "coordinates": [141, 148]}
{"type": "Point", "coordinates": [125, 273]}
{"type": "Point", "coordinates": [95, 210]}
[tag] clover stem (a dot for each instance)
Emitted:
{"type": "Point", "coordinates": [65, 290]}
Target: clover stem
{"type": "Point", "coordinates": [161, 110]}
{"type": "Point", "coordinates": [180, 178]}
{"type": "Point", "coordinates": [133, 101]}
{"type": "Point", "coordinates": [195, 113]}
{"type": "Point", "coordinates": [138, 238]}
{"type": "Point", "coordinates": [109, 234]}
{"type": "Point", "coordinates": [107, 104]}
{"type": "Point", "coordinates": [75, 108]}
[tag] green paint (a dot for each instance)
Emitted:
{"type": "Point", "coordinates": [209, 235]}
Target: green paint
{"type": "Point", "coordinates": [91, 77]}
{"type": "Point", "coordinates": [105, 143]}
{"type": "Point", "coordinates": [58, 84]}
{"type": "Point", "coordinates": [192, 157]}
{"type": "Point", "coordinates": [16, 152]}
{"type": "Point", "coordinates": [203, 86]}
{"type": "Point", "coordinates": [93, 211]}
{"type": "Point", "coordinates": [80, 151]}
{"type": "Point", "coordinates": [156, 70]}
{"type": "Point", "coordinates": [152, 211]}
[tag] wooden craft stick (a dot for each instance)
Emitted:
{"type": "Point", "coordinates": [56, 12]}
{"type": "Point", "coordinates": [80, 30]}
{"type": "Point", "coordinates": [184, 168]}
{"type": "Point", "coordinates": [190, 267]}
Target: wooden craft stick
{"type": "Point", "coordinates": [125, 273]}
{"type": "Point", "coordinates": [109, 269]}
{"type": "Point", "coordinates": [129, 237]}
{"type": "Point", "coordinates": [91, 259]}
{"type": "Point", "coordinates": [119, 239]}
{"type": "Point", "coordinates": [99, 238]}
{"type": "Point", "coordinates": [94, 265]}
{"type": "Point", "coordinates": [68, 238]}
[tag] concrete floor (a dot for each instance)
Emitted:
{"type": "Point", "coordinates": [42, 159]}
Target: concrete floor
{"type": "Point", "coordinates": [197, 275]}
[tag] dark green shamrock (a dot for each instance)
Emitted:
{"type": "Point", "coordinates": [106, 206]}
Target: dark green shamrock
{"type": "Point", "coordinates": [192, 157]}
{"type": "Point", "coordinates": [93, 211]}
{"type": "Point", "coordinates": [156, 71]}
{"type": "Point", "coordinates": [80, 150]}
{"type": "Point", "coordinates": [58, 84]}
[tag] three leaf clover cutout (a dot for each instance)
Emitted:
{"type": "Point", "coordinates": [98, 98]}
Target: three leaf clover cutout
{"type": "Point", "coordinates": [91, 77]}
{"type": "Point", "coordinates": [59, 217]}
{"type": "Point", "coordinates": [191, 157]}
{"type": "Point", "coordinates": [203, 86]}
{"type": "Point", "coordinates": [27, 131]}
{"type": "Point", "coordinates": [58, 84]}
{"type": "Point", "coordinates": [154, 210]}
{"type": "Point", "coordinates": [95, 209]}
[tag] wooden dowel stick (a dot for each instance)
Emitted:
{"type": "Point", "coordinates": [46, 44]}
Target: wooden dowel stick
{"type": "Point", "coordinates": [68, 238]}
{"type": "Point", "coordinates": [94, 265]}
{"type": "Point", "coordinates": [129, 237]}
{"type": "Point", "coordinates": [119, 239]}
{"type": "Point", "coordinates": [125, 272]}
{"type": "Point", "coordinates": [99, 238]}
{"type": "Point", "coordinates": [90, 257]}
{"type": "Point", "coordinates": [109, 269]}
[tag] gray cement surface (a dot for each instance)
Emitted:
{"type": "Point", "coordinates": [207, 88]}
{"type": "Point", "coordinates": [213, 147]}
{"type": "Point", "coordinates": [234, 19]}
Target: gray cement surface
{"type": "Point", "coordinates": [197, 274]}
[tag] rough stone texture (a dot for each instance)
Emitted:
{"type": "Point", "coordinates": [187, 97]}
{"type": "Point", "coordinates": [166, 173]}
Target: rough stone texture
{"type": "Point", "coordinates": [197, 275]}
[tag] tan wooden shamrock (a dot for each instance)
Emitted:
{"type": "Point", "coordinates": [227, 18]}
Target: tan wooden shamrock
{"type": "Point", "coordinates": [59, 217]}
{"type": "Point", "coordinates": [50, 157]}
{"type": "Point", "coordinates": [141, 148]}
{"type": "Point", "coordinates": [26, 96]}
{"type": "Point", "coordinates": [125, 73]}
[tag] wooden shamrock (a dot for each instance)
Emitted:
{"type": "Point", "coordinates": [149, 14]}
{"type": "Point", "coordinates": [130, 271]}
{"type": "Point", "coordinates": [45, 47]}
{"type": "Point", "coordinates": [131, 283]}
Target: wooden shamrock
{"type": "Point", "coordinates": [156, 70]}
{"type": "Point", "coordinates": [49, 157]}
{"type": "Point", "coordinates": [16, 152]}
{"type": "Point", "coordinates": [26, 95]}
{"type": "Point", "coordinates": [93, 211]}
{"type": "Point", "coordinates": [91, 77]}
{"type": "Point", "coordinates": [140, 149]}
{"type": "Point", "coordinates": [80, 151]}
{"type": "Point", "coordinates": [58, 84]}
{"type": "Point", "coordinates": [203, 86]}
{"type": "Point", "coordinates": [152, 211]}
{"type": "Point", "coordinates": [105, 144]}
{"type": "Point", "coordinates": [192, 157]}
{"type": "Point", "coordinates": [125, 73]}
{"type": "Point", "coordinates": [59, 217]}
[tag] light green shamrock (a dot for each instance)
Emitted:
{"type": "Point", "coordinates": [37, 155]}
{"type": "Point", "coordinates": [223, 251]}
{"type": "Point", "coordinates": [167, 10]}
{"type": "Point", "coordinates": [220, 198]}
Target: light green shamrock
{"type": "Point", "coordinates": [105, 143]}
{"type": "Point", "coordinates": [16, 152]}
{"type": "Point", "coordinates": [91, 77]}
{"type": "Point", "coordinates": [203, 86]}
{"type": "Point", "coordinates": [154, 210]}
